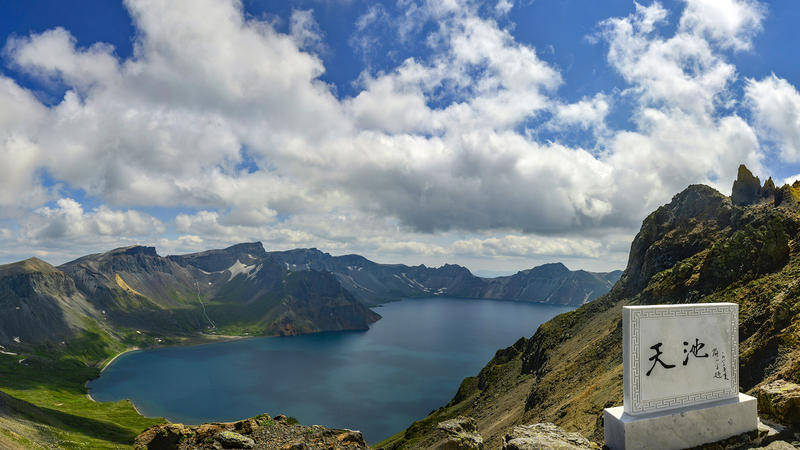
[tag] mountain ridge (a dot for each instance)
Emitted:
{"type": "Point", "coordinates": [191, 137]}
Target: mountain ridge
{"type": "Point", "coordinates": [374, 283]}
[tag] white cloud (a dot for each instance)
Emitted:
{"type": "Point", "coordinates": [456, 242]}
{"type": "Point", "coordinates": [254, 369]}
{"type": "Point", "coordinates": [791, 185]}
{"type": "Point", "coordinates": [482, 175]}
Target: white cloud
{"type": "Point", "coordinates": [306, 31]}
{"type": "Point", "coordinates": [219, 113]}
{"type": "Point", "coordinates": [52, 55]}
{"type": "Point", "coordinates": [68, 221]}
{"type": "Point", "coordinates": [503, 7]}
{"type": "Point", "coordinates": [728, 23]}
{"type": "Point", "coordinates": [586, 113]}
{"type": "Point", "coordinates": [527, 246]}
{"type": "Point", "coordinates": [775, 104]}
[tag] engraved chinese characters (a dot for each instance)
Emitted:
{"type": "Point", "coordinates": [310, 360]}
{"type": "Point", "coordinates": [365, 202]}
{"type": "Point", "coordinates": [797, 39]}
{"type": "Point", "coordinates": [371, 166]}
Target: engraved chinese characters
{"type": "Point", "coordinates": [679, 355]}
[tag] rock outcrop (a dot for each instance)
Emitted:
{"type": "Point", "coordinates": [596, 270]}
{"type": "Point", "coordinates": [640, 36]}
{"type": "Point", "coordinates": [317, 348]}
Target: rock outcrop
{"type": "Point", "coordinates": [261, 432]}
{"type": "Point", "coordinates": [780, 400]}
{"type": "Point", "coordinates": [746, 188]}
{"type": "Point", "coordinates": [460, 433]}
{"type": "Point", "coordinates": [545, 436]}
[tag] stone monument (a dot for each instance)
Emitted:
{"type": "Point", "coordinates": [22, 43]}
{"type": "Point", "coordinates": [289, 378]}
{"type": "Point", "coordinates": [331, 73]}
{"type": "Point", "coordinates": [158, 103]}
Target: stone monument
{"type": "Point", "coordinates": [680, 378]}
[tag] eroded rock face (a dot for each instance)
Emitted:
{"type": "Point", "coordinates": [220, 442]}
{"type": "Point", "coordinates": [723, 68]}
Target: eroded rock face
{"type": "Point", "coordinates": [260, 432]}
{"type": "Point", "coordinates": [746, 188]}
{"type": "Point", "coordinates": [544, 436]}
{"type": "Point", "coordinates": [780, 400]}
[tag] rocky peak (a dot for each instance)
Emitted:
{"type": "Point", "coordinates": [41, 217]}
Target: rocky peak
{"type": "Point", "coordinates": [253, 248]}
{"type": "Point", "coordinates": [134, 250]}
{"type": "Point", "coordinates": [746, 188]}
{"type": "Point", "coordinates": [769, 189]}
{"type": "Point", "coordinates": [549, 270]}
{"type": "Point", "coordinates": [673, 232]}
{"type": "Point", "coordinates": [29, 265]}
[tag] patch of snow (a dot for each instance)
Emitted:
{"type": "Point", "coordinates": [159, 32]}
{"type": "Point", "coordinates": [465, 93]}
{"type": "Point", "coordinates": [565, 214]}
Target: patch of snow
{"type": "Point", "coordinates": [138, 332]}
{"type": "Point", "coordinates": [239, 268]}
{"type": "Point", "coordinates": [355, 283]}
{"type": "Point", "coordinates": [3, 352]}
{"type": "Point", "coordinates": [18, 308]}
{"type": "Point", "coordinates": [413, 283]}
{"type": "Point", "coordinates": [17, 340]}
{"type": "Point", "coordinates": [253, 273]}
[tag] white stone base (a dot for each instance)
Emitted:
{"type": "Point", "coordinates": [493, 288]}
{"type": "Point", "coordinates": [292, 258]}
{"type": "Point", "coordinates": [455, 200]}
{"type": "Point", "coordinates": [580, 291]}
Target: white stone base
{"type": "Point", "coordinates": [681, 428]}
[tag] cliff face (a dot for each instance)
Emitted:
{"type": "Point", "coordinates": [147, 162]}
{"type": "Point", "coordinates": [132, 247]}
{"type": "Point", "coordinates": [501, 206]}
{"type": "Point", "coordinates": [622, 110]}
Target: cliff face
{"type": "Point", "coordinates": [701, 247]}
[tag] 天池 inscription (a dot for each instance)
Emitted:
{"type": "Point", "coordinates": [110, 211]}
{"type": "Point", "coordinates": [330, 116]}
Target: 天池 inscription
{"type": "Point", "coordinates": [679, 355]}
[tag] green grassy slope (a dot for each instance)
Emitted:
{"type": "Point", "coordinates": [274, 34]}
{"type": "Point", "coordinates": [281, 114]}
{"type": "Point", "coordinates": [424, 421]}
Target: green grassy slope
{"type": "Point", "coordinates": [44, 402]}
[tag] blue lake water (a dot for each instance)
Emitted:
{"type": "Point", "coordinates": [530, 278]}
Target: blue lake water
{"type": "Point", "coordinates": [379, 381]}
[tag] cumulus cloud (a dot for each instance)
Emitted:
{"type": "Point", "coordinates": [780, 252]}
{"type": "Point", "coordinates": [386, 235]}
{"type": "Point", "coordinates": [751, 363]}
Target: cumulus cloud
{"type": "Point", "coordinates": [522, 245]}
{"type": "Point", "coordinates": [776, 107]}
{"type": "Point", "coordinates": [728, 23]}
{"type": "Point", "coordinates": [68, 220]}
{"type": "Point", "coordinates": [221, 115]}
{"type": "Point", "coordinates": [586, 114]}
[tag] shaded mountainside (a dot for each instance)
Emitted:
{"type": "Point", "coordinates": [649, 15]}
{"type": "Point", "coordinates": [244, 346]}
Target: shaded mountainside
{"type": "Point", "coordinates": [701, 247]}
{"type": "Point", "coordinates": [374, 283]}
{"type": "Point", "coordinates": [39, 303]}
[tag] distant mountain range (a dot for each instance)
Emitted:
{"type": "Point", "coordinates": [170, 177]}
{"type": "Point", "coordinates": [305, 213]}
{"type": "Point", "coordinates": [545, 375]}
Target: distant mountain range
{"type": "Point", "coordinates": [375, 283]}
{"type": "Point", "coordinates": [244, 289]}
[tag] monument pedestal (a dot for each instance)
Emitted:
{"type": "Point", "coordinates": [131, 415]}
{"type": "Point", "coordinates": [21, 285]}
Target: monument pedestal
{"type": "Point", "coordinates": [680, 428]}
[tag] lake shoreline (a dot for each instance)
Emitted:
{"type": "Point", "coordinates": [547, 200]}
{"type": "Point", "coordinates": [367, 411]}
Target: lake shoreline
{"type": "Point", "coordinates": [322, 377]}
{"type": "Point", "coordinates": [200, 339]}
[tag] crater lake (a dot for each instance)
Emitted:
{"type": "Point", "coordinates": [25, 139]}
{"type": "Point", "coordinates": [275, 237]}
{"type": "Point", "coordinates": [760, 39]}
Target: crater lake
{"type": "Point", "coordinates": [378, 381]}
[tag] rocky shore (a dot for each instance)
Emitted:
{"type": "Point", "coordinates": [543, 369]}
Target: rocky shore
{"type": "Point", "coordinates": [260, 432]}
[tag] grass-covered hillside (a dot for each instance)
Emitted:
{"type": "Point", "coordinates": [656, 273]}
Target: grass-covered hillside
{"type": "Point", "coordinates": [701, 247]}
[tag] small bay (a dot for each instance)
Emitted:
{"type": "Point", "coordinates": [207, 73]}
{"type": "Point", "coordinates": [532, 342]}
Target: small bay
{"type": "Point", "coordinates": [378, 381]}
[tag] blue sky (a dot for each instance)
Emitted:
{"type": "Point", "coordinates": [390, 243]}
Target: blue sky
{"type": "Point", "coordinates": [498, 134]}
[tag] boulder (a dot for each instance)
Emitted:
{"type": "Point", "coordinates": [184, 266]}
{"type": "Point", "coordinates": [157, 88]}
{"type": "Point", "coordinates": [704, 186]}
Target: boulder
{"type": "Point", "coordinates": [162, 437]}
{"type": "Point", "coordinates": [780, 400]}
{"type": "Point", "coordinates": [544, 436]}
{"type": "Point", "coordinates": [229, 439]}
{"type": "Point", "coordinates": [350, 436]}
{"type": "Point", "coordinates": [460, 433]}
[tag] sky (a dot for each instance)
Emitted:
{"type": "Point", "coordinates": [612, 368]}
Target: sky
{"type": "Point", "coordinates": [498, 135]}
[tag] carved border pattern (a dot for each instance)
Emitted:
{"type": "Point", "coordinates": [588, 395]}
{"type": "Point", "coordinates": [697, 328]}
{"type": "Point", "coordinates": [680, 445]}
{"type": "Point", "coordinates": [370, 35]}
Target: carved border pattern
{"type": "Point", "coordinates": [640, 406]}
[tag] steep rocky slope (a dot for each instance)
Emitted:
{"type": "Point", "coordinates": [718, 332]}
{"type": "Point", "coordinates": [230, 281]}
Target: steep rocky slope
{"type": "Point", "coordinates": [375, 283]}
{"type": "Point", "coordinates": [40, 304]}
{"type": "Point", "coordinates": [701, 247]}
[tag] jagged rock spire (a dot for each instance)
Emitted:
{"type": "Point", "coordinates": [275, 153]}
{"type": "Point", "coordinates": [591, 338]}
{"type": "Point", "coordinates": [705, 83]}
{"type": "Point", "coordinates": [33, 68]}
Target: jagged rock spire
{"type": "Point", "coordinates": [746, 188]}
